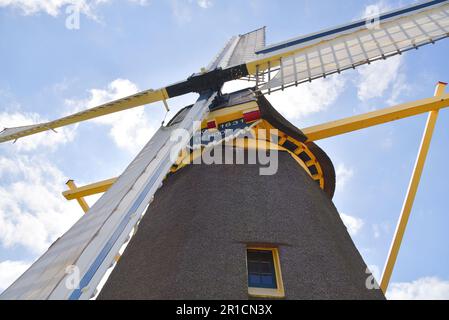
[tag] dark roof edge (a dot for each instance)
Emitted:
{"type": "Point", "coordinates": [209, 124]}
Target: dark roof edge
{"type": "Point", "coordinates": [270, 114]}
{"type": "Point", "coordinates": [277, 120]}
{"type": "Point", "coordinates": [327, 166]}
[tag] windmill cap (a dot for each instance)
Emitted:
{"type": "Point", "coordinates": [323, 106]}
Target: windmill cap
{"type": "Point", "coordinates": [443, 83]}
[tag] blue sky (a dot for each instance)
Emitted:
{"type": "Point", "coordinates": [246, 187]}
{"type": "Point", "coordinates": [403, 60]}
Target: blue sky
{"type": "Point", "coordinates": [47, 71]}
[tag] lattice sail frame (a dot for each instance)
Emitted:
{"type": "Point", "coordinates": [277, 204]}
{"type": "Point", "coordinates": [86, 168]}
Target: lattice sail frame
{"type": "Point", "coordinates": [374, 41]}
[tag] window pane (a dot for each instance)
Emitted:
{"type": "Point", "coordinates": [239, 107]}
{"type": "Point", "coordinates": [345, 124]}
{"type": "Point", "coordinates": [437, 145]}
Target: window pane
{"type": "Point", "coordinates": [261, 271]}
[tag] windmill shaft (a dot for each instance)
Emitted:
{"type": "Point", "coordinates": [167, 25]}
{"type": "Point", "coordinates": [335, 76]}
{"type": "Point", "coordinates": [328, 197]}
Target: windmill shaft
{"type": "Point", "coordinates": [213, 79]}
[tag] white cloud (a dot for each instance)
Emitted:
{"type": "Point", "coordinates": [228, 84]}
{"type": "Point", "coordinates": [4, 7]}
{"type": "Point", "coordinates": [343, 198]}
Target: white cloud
{"type": "Point", "coordinates": [51, 7]}
{"type": "Point", "coordinates": [49, 139]}
{"type": "Point", "coordinates": [182, 10]}
{"type": "Point", "coordinates": [381, 229]}
{"type": "Point", "coordinates": [353, 224]}
{"type": "Point", "coordinates": [343, 175]}
{"type": "Point", "coordinates": [374, 10]}
{"type": "Point", "coordinates": [298, 102]}
{"type": "Point", "coordinates": [236, 85]}
{"type": "Point", "coordinates": [10, 271]}
{"type": "Point", "coordinates": [376, 231]}
{"type": "Point", "coordinates": [205, 4]}
{"type": "Point", "coordinates": [428, 288]}
{"type": "Point", "coordinates": [55, 7]}
{"type": "Point", "coordinates": [375, 79]}
{"type": "Point", "coordinates": [33, 212]}
{"type": "Point", "coordinates": [140, 2]}
{"type": "Point", "coordinates": [308, 98]}
{"type": "Point", "coordinates": [130, 129]}
{"type": "Point", "coordinates": [400, 86]}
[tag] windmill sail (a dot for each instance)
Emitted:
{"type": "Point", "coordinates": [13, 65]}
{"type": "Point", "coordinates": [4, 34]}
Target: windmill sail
{"type": "Point", "coordinates": [138, 99]}
{"type": "Point", "coordinates": [93, 242]}
{"type": "Point", "coordinates": [247, 47]}
{"type": "Point", "coordinates": [238, 50]}
{"type": "Point", "coordinates": [349, 46]}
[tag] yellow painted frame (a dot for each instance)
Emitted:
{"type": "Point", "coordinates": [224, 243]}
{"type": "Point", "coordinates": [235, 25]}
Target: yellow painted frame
{"type": "Point", "coordinates": [249, 144]}
{"type": "Point", "coordinates": [78, 193]}
{"type": "Point", "coordinates": [278, 293]}
{"type": "Point", "coordinates": [381, 116]}
{"type": "Point", "coordinates": [75, 192]}
{"type": "Point", "coordinates": [267, 145]}
{"type": "Point", "coordinates": [81, 201]}
{"type": "Point", "coordinates": [229, 114]}
{"type": "Point", "coordinates": [136, 100]}
{"type": "Point", "coordinates": [282, 138]}
{"type": "Point", "coordinates": [411, 192]}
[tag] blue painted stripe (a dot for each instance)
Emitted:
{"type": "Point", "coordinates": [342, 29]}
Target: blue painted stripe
{"type": "Point", "coordinates": [76, 294]}
{"type": "Point", "coordinates": [349, 27]}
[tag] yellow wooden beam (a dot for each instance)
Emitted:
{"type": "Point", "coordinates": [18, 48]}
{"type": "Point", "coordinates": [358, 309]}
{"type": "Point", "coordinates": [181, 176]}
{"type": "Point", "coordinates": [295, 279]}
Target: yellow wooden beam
{"type": "Point", "coordinates": [377, 117]}
{"type": "Point", "coordinates": [72, 186]}
{"type": "Point", "coordinates": [138, 99]}
{"type": "Point", "coordinates": [411, 193]}
{"type": "Point", "coordinates": [88, 190]}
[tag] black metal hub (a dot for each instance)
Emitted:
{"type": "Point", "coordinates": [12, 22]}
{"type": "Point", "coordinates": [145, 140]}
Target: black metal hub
{"type": "Point", "coordinates": [211, 80]}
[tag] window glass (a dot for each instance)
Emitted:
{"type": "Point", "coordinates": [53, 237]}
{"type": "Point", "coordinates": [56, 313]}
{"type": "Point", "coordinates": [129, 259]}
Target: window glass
{"type": "Point", "coordinates": [261, 270]}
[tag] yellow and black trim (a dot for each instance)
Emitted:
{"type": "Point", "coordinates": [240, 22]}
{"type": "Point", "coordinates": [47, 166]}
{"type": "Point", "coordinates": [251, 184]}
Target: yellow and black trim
{"type": "Point", "coordinates": [244, 108]}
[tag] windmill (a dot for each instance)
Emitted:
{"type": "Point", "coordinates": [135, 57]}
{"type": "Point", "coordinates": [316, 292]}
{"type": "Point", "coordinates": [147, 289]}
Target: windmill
{"type": "Point", "coordinates": [226, 232]}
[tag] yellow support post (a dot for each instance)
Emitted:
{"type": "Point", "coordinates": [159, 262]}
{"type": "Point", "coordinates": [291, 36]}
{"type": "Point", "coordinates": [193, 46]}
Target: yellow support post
{"type": "Point", "coordinates": [411, 193]}
{"type": "Point", "coordinates": [72, 186]}
{"type": "Point", "coordinates": [89, 190]}
{"type": "Point", "coordinates": [342, 126]}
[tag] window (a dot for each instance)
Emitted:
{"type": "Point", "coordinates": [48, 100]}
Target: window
{"type": "Point", "coordinates": [264, 273]}
{"type": "Point", "coordinates": [261, 272]}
